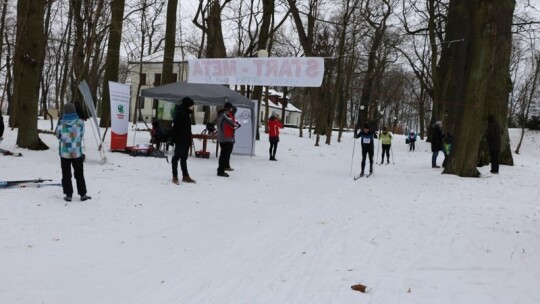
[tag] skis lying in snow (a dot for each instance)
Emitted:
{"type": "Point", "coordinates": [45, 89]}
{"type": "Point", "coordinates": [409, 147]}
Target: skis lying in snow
{"type": "Point", "coordinates": [9, 153]}
{"type": "Point", "coordinates": [8, 184]}
{"type": "Point", "coordinates": [33, 185]}
{"type": "Point", "coordinates": [363, 175]}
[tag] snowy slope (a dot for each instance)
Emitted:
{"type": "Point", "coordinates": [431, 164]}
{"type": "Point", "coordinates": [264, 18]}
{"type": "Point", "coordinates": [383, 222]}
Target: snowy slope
{"type": "Point", "coordinates": [298, 230]}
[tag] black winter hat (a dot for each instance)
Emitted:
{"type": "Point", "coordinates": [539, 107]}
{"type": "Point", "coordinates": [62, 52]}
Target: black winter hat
{"type": "Point", "coordinates": [366, 126]}
{"type": "Point", "coordinates": [187, 102]}
{"type": "Point", "coordinates": [227, 105]}
{"type": "Point", "coordinates": [69, 108]}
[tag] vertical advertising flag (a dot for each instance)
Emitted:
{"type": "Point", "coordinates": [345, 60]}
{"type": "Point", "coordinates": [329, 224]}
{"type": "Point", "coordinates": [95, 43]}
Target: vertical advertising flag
{"type": "Point", "coordinates": [120, 96]}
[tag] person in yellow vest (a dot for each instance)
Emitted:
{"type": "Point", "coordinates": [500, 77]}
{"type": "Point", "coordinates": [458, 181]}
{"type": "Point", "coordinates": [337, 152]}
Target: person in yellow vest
{"type": "Point", "coordinates": [386, 140]}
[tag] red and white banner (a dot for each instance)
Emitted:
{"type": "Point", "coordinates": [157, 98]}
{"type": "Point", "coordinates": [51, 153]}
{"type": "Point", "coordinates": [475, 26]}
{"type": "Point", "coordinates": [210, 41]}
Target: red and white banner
{"type": "Point", "coordinates": [273, 71]}
{"type": "Point", "coordinates": [119, 114]}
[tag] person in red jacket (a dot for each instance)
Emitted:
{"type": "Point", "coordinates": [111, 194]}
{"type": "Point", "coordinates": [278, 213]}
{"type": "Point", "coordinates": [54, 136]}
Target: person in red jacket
{"type": "Point", "coordinates": [273, 134]}
{"type": "Point", "coordinates": [225, 135]}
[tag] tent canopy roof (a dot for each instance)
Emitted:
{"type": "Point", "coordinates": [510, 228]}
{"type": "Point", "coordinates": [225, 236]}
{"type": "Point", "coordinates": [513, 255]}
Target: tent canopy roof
{"type": "Point", "coordinates": [202, 94]}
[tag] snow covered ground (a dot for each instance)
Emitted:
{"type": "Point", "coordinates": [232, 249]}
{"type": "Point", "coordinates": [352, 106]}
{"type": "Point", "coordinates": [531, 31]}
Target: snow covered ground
{"type": "Point", "coordinates": [298, 230]}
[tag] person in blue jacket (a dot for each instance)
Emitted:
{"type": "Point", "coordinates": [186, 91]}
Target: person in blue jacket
{"type": "Point", "coordinates": [70, 132]}
{"type": "Point", "coordinates": [411, 139]}
{"type": "Point", "coordinates": [367, 138]}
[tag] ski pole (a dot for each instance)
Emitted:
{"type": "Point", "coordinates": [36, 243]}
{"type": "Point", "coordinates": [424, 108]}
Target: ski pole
{"type": "Point", "coordinates": [378, 147]}
{"type": "Point", "coordinates": [379, 138]}
{"type": "Point", "coordinates": [392, 152]}
{"type": "Point", "coordinates": [352, 158]}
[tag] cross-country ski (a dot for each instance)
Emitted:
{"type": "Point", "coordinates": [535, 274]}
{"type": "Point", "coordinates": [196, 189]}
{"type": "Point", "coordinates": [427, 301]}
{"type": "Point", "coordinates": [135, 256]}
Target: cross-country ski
{"type": "Point", "coordinates": [5, 184]}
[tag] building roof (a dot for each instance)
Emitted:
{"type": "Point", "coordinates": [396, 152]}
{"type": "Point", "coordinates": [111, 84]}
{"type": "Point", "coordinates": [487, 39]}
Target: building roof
{"type": "Point", "coordinates": [157, 57]}
{"type": "Point", "coordinates": [290, 107]}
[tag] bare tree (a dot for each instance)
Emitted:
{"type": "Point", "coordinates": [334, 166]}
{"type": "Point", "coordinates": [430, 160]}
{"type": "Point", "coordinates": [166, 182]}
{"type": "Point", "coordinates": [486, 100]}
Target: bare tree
{"type": "Point", "coordinates": [527, 93]}
{"type": "Point", "coordinates": [376, 15]}
{"type": "Point", "coordinates": [170, 41]}
{"type": "Point", "coordinates": [113, 57]}
{"type": "Point", "coordinates": [28, 62]}
{"type": "Point", "coordinates": [474, 75]}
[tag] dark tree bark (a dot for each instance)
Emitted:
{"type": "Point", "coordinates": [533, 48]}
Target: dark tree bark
{"type": "Point", "coordinates": [113, 59]}
{"type": "Point", "coordinates": [170, 40]}
{"type": "Point", "coordinates": [474, 71]}
{"type": "Point", "coordinates": [215, 45]}
{"type": "Point", "coordinates": [77, 63]}
{"type": "Point", "coordinates": [28, 62]}
{"type": "Point", "coordinates": [264, 39]}
{"type": "Point", "coordinates": [369, 95]}
{"type": "Point", "coordinates": [3, 27]}
{"type": "Point", "coordinates": [307, 37]}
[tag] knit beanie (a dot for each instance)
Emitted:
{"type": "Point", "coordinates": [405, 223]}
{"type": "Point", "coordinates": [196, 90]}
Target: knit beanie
{"type": "Point", "coordinates": [69, 108]}
{"type": "Point", "coordinates": [227, 105]}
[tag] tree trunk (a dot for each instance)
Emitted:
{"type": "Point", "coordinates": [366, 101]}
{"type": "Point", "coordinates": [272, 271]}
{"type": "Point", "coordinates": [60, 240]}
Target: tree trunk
{"type": "Point", "coordinates": [170, 40]}
{"type": "Point", "coordinates": [264, 37]}
{"type": "Point", "coordinates": [3, 27]}
{"type": "Point", "coordinates": [474, 75]}
{"type": "Point", "coordinates": [77, 72]}
{"type": "Point", "coordinates": [215, 46]}
{"type": "Point", "coordinates": [28, 62]}
{"type": "Point", "coordinates": [113, 59]}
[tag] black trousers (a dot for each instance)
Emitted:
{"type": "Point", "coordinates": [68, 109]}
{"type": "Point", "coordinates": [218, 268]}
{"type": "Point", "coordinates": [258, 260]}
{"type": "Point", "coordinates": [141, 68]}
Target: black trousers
{"type": "Point", "coordinates": [224, 156]}
{"type": "Point", "coordinates": [411, 145]}
{"type": "Point", "coordinates": [494, 158]}
{"type": "Point", "coordinates": [181, 150]}
{"type": "Point", "coordinates": [273, 146]}
{"type": "Point", "coordinates": [273, 149]}
{"type": "Point", "coordinates": [367, 151]}
{"type": "Point", "coordinates": [78, 172]}
{"type": "Point", "coordinates": [385, 150]}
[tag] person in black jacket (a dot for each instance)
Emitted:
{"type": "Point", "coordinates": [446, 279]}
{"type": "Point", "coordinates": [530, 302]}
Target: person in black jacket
{"type": "Point", "coordinates": [493, 138]}
{"type": "Point", "coordinates": [436, 143]}
{"type": "Point", "coordinates": [367, 138]}
{"type": "Point", "coordinates": [181, 135]}
{"type": "Point", "coordinates": [1, 126]}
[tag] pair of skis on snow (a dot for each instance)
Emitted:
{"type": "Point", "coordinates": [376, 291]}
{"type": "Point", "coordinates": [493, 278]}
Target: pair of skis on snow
{"type": "Point", "coordinates": [29, 183]}
{"type": "Point", "coordinates": [9, 153]}
{"type": "Point", "coordinates": [363, 175]}
{"type": "Point", "coordinates": [369, 174]}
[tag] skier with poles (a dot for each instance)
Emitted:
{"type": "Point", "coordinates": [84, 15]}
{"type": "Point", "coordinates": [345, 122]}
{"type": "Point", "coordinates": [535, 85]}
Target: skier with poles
{"type": "Point", "coordinates": [367, 137]}
{"type": "Point", "coordinates": [386, 141]}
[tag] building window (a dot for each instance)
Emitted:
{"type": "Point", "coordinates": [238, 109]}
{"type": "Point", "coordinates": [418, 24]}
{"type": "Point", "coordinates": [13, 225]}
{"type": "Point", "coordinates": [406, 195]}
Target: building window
{"type": "Point", "coordinates": [157, 79]}
{"type": "Point", "coordinates": [175, 77]}
{"type": "Point", "coordinates": [143, 79]}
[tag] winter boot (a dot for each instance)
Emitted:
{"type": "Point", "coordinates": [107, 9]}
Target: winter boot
{"type": "Point", "coordinates": [187, 179]}
{"type": "Point", "coordinates": [67, 198]}
{"type": "Point", "coordinates": [85, 197]}
{"type": "Point", "coordinates": [175, 180]}
{"type": "Point", "coordinates": [223, 174]}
